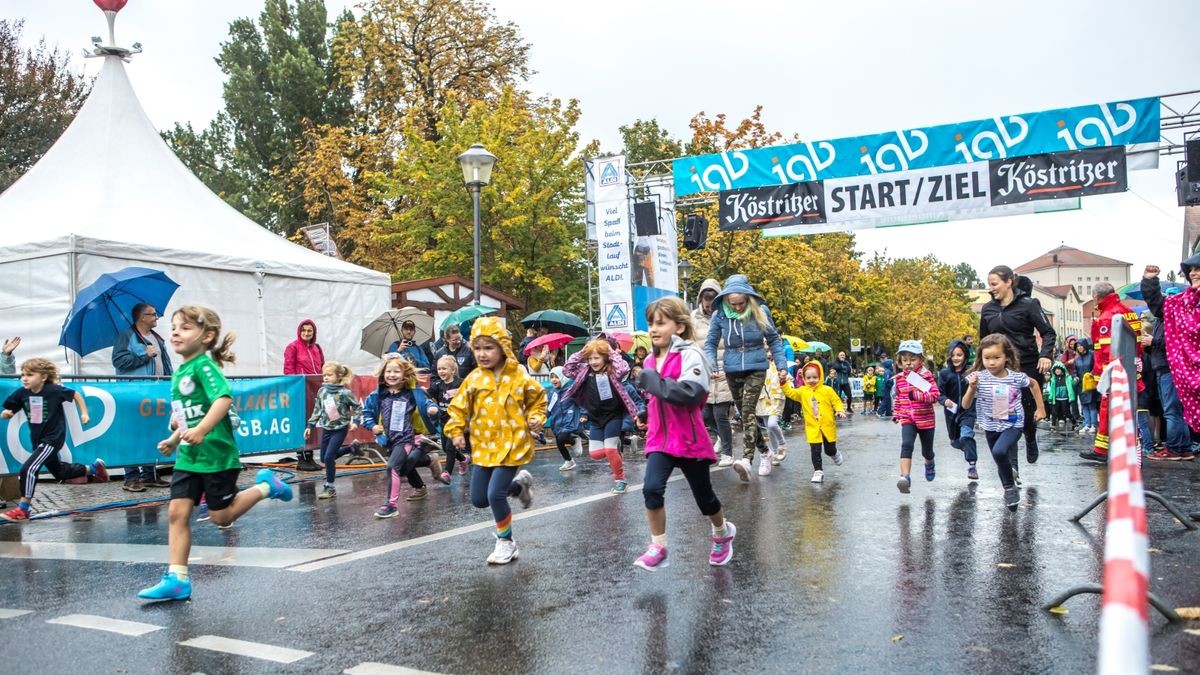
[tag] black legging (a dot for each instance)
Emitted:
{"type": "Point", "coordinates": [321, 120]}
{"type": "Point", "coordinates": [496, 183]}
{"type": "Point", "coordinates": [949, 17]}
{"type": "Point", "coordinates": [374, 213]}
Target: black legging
{"type": "Point", "coordinates": [565, 442]}
{"type": "Point", "coordinates": [1029, 406]}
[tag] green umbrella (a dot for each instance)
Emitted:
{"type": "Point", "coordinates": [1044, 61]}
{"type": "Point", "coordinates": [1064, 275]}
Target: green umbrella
{"type": "Point", "coordinates": [819, 346]}
{"type": "Point", "coordinates": [464, 314]}
{"type": "Point", "coordinates": [556, 321]}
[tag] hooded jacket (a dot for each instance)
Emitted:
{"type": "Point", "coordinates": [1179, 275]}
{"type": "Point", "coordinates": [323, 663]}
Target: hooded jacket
{"type": "Point", "coordinates": [564, 411]}
{"type": "Point", "coordinates": [496, 409]}
{"type": "Point", "coordinates": [770, 401]}
{"type": "Point", "coordinates": [1181, 330]}
{"type": "Point", "coordinates": [1050, 392]}
{"type": "Point", "coordinates": [1110, 306]}
{"type": "Point", "coordinates": [744, 351]}
{"type": "Point", "coordinates": [676, 390]}
{"type": "Point", "coordinates": [1017, 321]}
{"type": "Point", "coordinates": [1156, 353]}
{"type": "Point", "coordinates": [952, 385]}
{"type": "Point", "coordinates": [1083, 366]}
{"type": "Point", "coordinates": [129, 354]}
{"type": "Point", "coordinates": [303, 358]}
{"type": "Point", "coordinates": [819, 403]}
{"type": "Point", "coordinates": [718, 388]}
{"type": "Point", "coordinates": [338, 399]}
{"type": "Point", "coordinates": [911, 405]}
{"type": "Point", "coordinates": [577, 370]}
{"type": "Point", "coordinates": [377, 410]}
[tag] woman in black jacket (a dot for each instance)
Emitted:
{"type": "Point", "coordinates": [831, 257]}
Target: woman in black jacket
{"type": "Point", "coordinates": [1014, 313]}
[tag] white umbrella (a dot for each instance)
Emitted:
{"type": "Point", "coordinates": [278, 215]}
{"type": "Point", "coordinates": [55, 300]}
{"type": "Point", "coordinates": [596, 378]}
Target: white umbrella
{"type": "Point", "coordinates": [378, 335]}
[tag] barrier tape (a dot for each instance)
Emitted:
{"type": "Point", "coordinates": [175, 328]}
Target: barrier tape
{"type": "Point", "coordinates": [1125, 614]}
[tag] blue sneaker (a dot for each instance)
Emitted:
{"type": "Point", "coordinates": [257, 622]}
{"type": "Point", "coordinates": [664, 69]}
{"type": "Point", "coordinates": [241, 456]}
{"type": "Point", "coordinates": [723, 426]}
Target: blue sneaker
{"type": "Point", "coordinates": [279, 489]}
{"type": "Point", "coordinates": [386, 511]}
{"type": "Point", "coordinates": [904, 484]}
{"type": "Point", "coordinates": [202, 512]}
{"type": "Point", "coordinates": [170, 588]}
{"type": "Point", "coordinates": [620, 487]}
{"type": "Point", "coordinates": [929, 471]}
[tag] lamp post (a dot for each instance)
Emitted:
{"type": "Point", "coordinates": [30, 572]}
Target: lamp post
{"type": "Point", "coordinates": [685, 270]}
{"type": "Point", "coordinates": [476, 166]}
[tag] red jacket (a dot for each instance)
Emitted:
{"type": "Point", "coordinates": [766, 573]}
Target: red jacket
{"type": "Point", "coordinates": [1110, 306]}
{"type": "Point", "coordinates": [303, 358]}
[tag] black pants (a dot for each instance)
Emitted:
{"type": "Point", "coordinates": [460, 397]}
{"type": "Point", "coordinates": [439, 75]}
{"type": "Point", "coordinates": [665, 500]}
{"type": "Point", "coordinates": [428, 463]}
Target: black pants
{"type": "Point", "coordinates": [565, 442]}
{"type": "Point", "coordinates": [1003, 445]}
{"type": "Point", "coordinates": [659, 466]}
{"type": "Point", "coordinates": [1029, 405]}
{"type": "Point", "coordinates": [46, 455]}
{"type": "Point", "coordinates": [908, 437]}
{"type": "Point", "coordinates": [844, 391]}
{"type": "Point", "coordinates": [1062, 411]}
{"type": "Point", "coordinates": [830, 449]}
{"type": "Point", "coordinates": [453, 454]}
{"type": "Point", "coordinates": [716, 418]}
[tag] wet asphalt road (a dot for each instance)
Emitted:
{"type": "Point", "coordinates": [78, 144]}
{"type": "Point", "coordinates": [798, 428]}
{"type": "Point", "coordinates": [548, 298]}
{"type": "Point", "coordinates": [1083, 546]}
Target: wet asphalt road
{"type": "Point", "coordinates": [847, 576]}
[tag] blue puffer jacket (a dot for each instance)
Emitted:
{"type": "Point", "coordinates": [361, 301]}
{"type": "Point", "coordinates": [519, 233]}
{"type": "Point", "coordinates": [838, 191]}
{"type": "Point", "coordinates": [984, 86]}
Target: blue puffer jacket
{"type": "Point", "coordinates": [744, 351]}
{"type": "Point", "coordinates": [564, 412]}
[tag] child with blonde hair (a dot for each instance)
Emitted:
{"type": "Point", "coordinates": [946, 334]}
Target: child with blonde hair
{"type": "Point", "coordinates": [42, 397]}
{"type": "Point", "coordinates": [441, 391]}
{"type": "Point", "coordinates": [333, 413]}
{"type": "Point", "coordinates": [396, 412]}
{"type": "Point", "coordinates": [499, 406]}
{"type": "Point", "coordinates": [208, 465]}
{"type": "Point", "coordinates": [770, 407]}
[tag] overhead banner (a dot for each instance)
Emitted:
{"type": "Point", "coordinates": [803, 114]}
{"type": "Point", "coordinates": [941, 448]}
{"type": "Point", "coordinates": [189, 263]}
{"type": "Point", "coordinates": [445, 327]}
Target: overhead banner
{"type": "Point", "coordinates": [1003, 187]}
{"type": "Point", "coordinates": [612, 240]}
{"type": "Point", "coordinates": [129, 418]}
{"type": "Point", "coordinates": [1122, 123]}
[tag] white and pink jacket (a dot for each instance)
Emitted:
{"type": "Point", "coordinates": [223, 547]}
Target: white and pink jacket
{"type": "Point", "coordinates": [676, 390]}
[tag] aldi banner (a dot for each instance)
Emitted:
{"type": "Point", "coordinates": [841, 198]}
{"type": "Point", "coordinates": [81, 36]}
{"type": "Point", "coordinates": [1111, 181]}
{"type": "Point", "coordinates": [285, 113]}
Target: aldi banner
{"type": "Point", "coordinates": [1122, 123]}
{"type": "Point", "coordinates": [130, 417]}
{"type": "Point", "coordinates": [612, 240]}
{"type": "Point", "coordinates": [1003, 187]}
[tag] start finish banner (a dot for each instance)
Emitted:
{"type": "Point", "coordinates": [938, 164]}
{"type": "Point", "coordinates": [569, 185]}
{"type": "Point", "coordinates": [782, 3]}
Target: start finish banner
{"type": "Point", "coordinates": [130, 417]}
{"type": "Point", "coordinates": [1120, 123]}
{"type": "Point", "coordinates": [1015, 186]}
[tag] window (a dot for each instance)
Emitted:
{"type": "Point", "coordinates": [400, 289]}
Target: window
{"type": "Point", "coordinates": [1078, 278]}
{"type": "Point", "coordinates": [1106, 278]}
{"type": "Point", "coordinates": [1089, 290]}
{"type": "Point", "coordinates": [1089, 279]}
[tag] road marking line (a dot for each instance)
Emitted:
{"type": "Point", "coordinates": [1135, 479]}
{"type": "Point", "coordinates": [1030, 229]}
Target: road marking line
{"type": "Point", "coordinates": [104, 623]}
{"type": "Point", "coordinates": [13, 613]}
{"type": "Point", "coordinates": [438, 536]}
{"type": "Point", "coordinates": [231, 556]}
{"type": "Point", "coordinates": [372, 668]}
{"type": "Point", "coordinates": [255, 650]}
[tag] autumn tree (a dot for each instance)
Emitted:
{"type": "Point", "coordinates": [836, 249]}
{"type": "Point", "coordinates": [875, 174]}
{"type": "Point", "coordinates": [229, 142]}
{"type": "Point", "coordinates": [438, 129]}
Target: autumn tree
{"type": "Point", "coordinates": [646, 141]}
{"type": "Point", "coordinates": [39, 96]}
{"type": "Point", "coordinates": [914, 298]}
{"type": "Point", "coordinates": [280, 82]}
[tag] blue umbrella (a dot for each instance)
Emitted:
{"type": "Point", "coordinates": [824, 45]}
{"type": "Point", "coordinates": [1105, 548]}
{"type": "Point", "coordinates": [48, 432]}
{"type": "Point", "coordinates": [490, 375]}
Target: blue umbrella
{"type": "Point", "coordinates": [463, 316]}
{"type": "Point", "coordinates": [102, 311]}
{"type": "Point", "coordinates": [1134, 290]}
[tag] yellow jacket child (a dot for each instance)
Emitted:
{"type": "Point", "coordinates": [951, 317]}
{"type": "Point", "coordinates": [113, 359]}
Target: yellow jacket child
{"type": "Point", "coordinates": [820, 404]}
{"type": "Point", "coordinates": [770, 401]}
{"type": "Point", "coordinates": [496, 406]}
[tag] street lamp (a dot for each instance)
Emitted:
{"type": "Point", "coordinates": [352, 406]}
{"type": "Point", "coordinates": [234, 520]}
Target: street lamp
{"type": "Point", "coordinates": [476, 166]}
{"type": "Point", "coordinates": [685, 270]}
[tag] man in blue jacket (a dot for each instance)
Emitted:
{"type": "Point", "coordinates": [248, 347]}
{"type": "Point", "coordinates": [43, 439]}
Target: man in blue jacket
{"type": "Point", "coordinates": [140, 351]}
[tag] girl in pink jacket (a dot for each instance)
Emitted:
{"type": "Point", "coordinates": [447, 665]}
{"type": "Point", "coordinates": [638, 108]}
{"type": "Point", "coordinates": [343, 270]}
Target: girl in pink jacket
{"type": "Point", "coordinates": [913, 409]}
{"type": "Point", "coordinates": [675, 379]}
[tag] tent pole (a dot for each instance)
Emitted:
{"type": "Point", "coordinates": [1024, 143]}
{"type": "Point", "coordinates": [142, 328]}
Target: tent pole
{"type": "Point", "coordinates": [73, 290]}
{"type": "Point", "coordinates": [260, 276]}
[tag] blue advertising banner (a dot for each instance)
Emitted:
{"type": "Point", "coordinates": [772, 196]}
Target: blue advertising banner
{"type": "Point", "coordinates": [129, 418]}
{"type": "Point", "coordinates": [1089, 126]}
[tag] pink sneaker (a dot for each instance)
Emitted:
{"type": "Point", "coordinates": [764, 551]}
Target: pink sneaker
{"type": "Point", "coordinates": [722, 550]}
{"type": "Point", "coordinates": [655, 558]}
{"type": "Point", "coordinates": [445, 477]}
{"type": "Point", "coordinates": [462, 468]}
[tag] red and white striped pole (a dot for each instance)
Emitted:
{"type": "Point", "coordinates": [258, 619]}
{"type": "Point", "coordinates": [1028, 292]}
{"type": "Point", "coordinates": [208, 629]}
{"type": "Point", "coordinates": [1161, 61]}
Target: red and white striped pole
{"type": "Point", "coordinates": [1125, 617]}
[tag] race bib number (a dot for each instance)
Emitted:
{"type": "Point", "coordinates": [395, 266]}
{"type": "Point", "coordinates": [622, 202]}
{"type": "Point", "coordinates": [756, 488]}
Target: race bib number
{"type": "Point", "coordinates": [399, 414]}
{"type": "Point", "coordinates": [331, 410]}
{"type": "Point", "coordinates": [604, 387]}
{"type": "Point", "coordinates": [37, 407]}
{"type": "Point", "coordinates": [177, 415]}
{"type": "Point", "coordinates": [816, 408]}
{"type": "Point", "coordinates": [1001, 409]}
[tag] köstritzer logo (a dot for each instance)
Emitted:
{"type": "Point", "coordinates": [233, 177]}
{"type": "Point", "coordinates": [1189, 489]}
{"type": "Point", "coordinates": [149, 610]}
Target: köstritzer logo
{"type": "Point", "coordinates": [609, 174]}
{"type": "Point", "coordinates": [616, 316]}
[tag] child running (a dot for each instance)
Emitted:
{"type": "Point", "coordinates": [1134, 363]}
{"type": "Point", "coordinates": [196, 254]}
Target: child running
{"type": "Point", "coordinates": [42, 397]}
{"type": "Point", "coordinates": [564, 419]}
{"type": "Point", "coordinates": [208, 464]}
{"type": "Point", "coordinates": [960, 419]}
{"type": "Point", "coordinates": [820, 404]}
{"type": "Point", "coordinates": [998, 390]}
{"type": "Point", "coordinates": [441, 391]}
{"type": "Point", "coordinates": [768, 411]}
{"type": "Point", "coordinates": [596, 372]}
{"type": "Point", "coordinates": [396, 413]}
{"type": "Point", "coordinates": [868, 385]}
{"type": "Point", "coordinates": [333, 413]}
{"type": "Point", "coordinates": [915, 393]}
{"type": "Point", "coordinates": [499, 406]}
{"type": "Point", "coordinates": [675, 379]}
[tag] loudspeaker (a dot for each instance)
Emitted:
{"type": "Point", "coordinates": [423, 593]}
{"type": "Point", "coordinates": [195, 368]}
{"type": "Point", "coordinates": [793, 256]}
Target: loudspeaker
{"type": "Point", "coordinates": [1187, 191]}
{"type": "Point", "coordinates": [1193, 160]}
{"type": "Point", "coordinates": [645, 217]}
{"type": "Point", "coordinates": [695, 232]}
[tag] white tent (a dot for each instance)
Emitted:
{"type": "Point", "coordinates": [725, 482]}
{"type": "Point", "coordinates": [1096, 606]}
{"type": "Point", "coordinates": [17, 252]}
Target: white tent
{"type": "Point", "coordinates": [110, 194]}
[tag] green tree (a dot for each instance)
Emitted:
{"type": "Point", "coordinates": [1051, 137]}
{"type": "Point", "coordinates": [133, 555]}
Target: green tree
{"type": "Point", "coordinates": [646, 141]}
{"type": "Point", "coordinates": [280, 82]}
{"type": "Point", "coordinates": [39, 96]}
{"type": "Point", "coordinates": [966, 276]}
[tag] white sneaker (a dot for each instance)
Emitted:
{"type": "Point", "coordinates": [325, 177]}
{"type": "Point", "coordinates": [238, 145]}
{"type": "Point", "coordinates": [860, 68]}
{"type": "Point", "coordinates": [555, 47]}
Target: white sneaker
{"type": "Point", "coordinates": [818, 476]}
{"type": "Point", "coordinates": [742, 469]}
{"type": "Point", "coordinates": [505, 552]}
{"type": "Point", "coordinates": [567, 465]}
{"type": "Point", "coordinates": [838, 459]}
{"type": "Point", "coordinates": [577, 449]}
{"type": "Point", "coordinates": [764, 463]}
{"type": "Point", "coordinates": [525, 479]}
{"type": "Point", "coordinates": [726, 460]}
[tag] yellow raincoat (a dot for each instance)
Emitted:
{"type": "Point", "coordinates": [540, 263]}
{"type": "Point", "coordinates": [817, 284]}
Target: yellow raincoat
{"type": "Point", "coordinates": [770, 401]}
{"type": "Point", "coordinates": [826, 401]}
{"type": "Point", "coordinates": [494, 410]}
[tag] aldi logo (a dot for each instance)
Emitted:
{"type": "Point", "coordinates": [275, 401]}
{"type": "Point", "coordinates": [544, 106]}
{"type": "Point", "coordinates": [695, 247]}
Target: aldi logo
{"type": "Point", "coordinates": [610, 173]}
{"type": "Point", "coordinates": [616, 315]}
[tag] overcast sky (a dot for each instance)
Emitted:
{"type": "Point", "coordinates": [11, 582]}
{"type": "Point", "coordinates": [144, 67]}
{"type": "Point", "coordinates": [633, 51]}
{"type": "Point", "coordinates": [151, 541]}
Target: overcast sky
{"type": "Point", "coordinates": [820, 69]}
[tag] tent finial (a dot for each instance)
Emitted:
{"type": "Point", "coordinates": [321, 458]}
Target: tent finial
{"type": "Point", "coordinates": [110, 8]}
